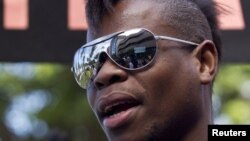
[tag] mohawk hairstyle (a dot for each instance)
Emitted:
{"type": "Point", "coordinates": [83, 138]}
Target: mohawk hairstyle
{"type": "Point", "coordinates": [96, 9]}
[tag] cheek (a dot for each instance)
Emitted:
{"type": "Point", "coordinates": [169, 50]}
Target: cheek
{"type": "Point", "coordinates": [172, 97]}
{"type": "Point", "coordinates": [161, 78]}
{"type": "Point", "coordinates": [91, 97]}
{"type": "Point", "coordinates": [170, 83]}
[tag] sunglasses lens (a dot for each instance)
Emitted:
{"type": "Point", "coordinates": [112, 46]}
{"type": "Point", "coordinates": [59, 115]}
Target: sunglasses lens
{"type": "Point", "coordinates": [83, 67]}
{"type": "Point", "coordinates": [133, 49]}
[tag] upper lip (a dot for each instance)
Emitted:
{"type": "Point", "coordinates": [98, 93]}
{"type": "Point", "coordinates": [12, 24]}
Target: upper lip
{"type": "Point", "coordinates": [107, 103]}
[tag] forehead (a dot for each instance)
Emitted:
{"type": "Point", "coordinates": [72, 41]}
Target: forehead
{"type": "Point", "coordinates": [130, 14]}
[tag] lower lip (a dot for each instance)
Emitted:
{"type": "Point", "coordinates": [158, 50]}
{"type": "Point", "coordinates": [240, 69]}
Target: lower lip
{"type": "Point", "coordinates": [119, 119]}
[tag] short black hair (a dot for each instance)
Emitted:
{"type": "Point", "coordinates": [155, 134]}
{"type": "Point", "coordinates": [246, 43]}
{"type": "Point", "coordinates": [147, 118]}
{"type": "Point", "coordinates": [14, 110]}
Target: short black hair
{"type": "Point", "coordinates": [203, 26]}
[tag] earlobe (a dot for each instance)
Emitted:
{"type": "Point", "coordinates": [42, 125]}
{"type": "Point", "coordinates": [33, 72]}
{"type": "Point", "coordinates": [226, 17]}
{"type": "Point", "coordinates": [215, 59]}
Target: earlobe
{"type": "Point", "coordinates": [207, 61]}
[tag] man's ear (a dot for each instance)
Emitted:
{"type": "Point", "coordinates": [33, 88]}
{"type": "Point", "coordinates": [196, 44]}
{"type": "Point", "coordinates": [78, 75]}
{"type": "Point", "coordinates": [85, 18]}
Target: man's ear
{"type": "Point", "coordinates": [206, 57]}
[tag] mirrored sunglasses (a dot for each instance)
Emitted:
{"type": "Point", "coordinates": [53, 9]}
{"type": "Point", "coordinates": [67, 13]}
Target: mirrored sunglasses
{"type": "Point", "coordinates": [130, 50]}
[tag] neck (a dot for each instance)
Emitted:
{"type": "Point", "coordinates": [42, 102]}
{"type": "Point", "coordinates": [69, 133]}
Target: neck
{"type": "Point", "coordinates": [199, 132]}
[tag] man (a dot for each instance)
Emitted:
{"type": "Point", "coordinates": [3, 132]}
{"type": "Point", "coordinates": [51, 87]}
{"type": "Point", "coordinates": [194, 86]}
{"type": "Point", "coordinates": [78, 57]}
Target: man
{"type": "Point", "coordinates": [168, 98]}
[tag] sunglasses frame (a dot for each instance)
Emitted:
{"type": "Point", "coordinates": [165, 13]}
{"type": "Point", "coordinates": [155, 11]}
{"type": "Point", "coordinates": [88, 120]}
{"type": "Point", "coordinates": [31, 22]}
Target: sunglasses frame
{"type": "Point", "coordinates": [110, 36]}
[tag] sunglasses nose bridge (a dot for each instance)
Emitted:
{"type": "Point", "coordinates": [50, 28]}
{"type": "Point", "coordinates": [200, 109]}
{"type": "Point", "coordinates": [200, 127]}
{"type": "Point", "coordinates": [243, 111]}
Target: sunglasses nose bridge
{"type": "Point", "coordinates": [102, 51]}
{"type": "Point", "coordinates": [102, 54]}
{"type": "Point", "coordinates": [102, 57]}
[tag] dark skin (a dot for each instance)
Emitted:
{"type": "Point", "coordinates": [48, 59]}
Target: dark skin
{"type": "Point", "coordinates": [173, 95]}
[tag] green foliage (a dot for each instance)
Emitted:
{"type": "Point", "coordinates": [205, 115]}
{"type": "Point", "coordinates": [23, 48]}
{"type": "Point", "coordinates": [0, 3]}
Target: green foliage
{"type": "Point", "coordinates": [239, 111]}
{"type": "Point", "coordinates": [233, 87]}
{"type": "Point", "coordinates": [66, 113]}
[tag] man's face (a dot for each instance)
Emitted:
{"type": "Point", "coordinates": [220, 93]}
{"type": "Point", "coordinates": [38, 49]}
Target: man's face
{"type": "Point", "coordinates": [156, 102]}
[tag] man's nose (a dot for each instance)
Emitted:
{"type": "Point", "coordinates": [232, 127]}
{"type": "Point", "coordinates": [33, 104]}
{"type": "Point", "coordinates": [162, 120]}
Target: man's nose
{"type": "Point", "coordinates": [109, 74]}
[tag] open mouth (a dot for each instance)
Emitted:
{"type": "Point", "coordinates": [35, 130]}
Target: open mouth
{"type": "Point", "coordinates": [117, 108]}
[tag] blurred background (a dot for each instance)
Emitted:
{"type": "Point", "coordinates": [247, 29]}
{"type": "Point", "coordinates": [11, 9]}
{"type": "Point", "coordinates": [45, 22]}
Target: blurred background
{"type": "Point", "coordinates": [39, 98]}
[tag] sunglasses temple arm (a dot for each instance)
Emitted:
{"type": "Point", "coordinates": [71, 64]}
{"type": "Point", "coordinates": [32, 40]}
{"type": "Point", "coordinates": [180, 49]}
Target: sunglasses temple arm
{"type": "Point", "coordinates": [175, 39]}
